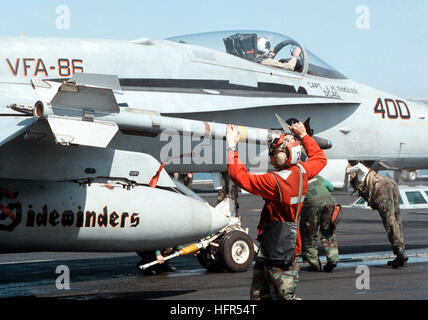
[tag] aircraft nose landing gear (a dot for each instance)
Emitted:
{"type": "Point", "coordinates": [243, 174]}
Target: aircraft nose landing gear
{"type": "Point", "coordinates": [231, 249]}
{"type": "Point", "coordinates": [233, 252]}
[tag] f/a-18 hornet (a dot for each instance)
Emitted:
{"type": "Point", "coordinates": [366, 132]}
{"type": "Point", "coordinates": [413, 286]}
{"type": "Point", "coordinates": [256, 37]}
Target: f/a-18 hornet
{"type": "Point", "coordinates": [85, 123]}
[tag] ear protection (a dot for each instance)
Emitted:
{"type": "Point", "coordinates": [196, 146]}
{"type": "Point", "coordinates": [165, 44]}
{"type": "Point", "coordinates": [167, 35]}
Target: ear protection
{"type": "Point", "coordinates": [286, 153]}
{"type": "Point", "coordinates": [281, 158]}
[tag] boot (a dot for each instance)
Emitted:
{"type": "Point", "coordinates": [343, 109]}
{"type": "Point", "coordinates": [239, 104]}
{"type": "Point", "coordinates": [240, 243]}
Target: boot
{"type": "Point", "coordinates": [314, 265]}
{"type": "Point", "coordinates": [400, 260]}
{"type": "Point", "coordinates": [329, 267]}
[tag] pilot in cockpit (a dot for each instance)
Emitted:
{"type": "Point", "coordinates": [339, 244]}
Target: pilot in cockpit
{"type": "Point", "coordinates": [265, 56]}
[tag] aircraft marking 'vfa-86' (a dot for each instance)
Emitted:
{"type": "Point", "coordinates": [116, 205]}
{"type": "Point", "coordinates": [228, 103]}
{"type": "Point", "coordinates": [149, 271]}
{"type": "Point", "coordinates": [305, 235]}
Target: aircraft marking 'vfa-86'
{"type": "Point", "coordinates": [82, 120]}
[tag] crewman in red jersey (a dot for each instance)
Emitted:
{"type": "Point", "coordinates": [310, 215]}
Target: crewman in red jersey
{"type": "Point", "coordinates": [275, 274]}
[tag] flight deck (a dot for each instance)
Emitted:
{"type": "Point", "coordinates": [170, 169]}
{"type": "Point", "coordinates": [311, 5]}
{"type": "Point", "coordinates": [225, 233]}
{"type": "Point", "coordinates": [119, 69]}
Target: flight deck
{"type": "Point", "coordinates": [363, 248]}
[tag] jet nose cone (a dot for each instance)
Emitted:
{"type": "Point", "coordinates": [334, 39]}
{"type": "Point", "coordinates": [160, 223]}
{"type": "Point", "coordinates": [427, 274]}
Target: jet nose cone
{"type": "Point", "coordinates": [218, 221]}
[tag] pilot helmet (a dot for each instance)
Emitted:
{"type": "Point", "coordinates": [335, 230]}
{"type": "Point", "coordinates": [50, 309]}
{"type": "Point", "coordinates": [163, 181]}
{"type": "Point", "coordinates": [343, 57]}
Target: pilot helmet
{"type": "Point", "coordinates": [286, 149]}
{"type": "Point", "coordinates": [263, 45]}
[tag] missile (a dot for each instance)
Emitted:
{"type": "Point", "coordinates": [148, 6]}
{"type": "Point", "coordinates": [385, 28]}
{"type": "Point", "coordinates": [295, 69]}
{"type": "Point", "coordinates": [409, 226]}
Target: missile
{"type": "Point", "coordinates": [90, 115]}
{"type": "Point", "coordinates": [68, 127]}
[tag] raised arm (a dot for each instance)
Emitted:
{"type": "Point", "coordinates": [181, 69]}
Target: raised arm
{"type": "Point", "coordinates": [262, 185]}
{"type": "Point", "coordinates": [316, 158]}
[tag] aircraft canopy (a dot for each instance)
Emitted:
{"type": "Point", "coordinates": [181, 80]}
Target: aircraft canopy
{"type": "Point", "coordinates": [245, 44]}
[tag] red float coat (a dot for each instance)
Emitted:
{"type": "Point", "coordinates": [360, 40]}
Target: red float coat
{"type": "Point", "coordinates": [264, 185]}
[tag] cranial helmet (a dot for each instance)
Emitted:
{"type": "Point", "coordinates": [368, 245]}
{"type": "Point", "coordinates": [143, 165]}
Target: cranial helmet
{"type": "Point", "coordinates": [286, 149]}
{"type": "Point", "coordinates": [263, 45]}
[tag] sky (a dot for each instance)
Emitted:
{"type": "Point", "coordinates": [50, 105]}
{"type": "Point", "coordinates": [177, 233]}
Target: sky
{"type": "Point", "coordinates": [381, 43]}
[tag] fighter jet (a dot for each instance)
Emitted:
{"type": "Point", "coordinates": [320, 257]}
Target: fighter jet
{"type": "Point", "coordinates": [81, 118]}
{"type": "Point", "coordinates": [221, 77]}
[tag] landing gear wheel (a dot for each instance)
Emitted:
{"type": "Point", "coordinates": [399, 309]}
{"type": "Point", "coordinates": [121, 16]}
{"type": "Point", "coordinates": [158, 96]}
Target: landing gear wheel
{"type": "Point", "coordinates": [236, 251]}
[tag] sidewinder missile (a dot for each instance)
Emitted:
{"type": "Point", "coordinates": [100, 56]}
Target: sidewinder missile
{"type": "Point", "coordinates": [90, 115]}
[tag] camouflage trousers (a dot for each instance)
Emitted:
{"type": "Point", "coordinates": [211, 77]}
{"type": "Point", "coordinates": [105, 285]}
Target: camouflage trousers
{"type": "Point", "coordinates": [389, 211]}
{"type": "Point", "coordinates": [274, 283]}
{"type": "Point", "coordinates": [313, 218]}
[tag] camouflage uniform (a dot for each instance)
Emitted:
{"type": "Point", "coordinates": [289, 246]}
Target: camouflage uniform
{"type": "Point", "coordinates": [318, 212]}
{"type": "Point", "coordinates": [186, 179]}
{"type": "Point", "coordinates": [381, 194]}
{"type": "Point", "coordinates": [274, 282]}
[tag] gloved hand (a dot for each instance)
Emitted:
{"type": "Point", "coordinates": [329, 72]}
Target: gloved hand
{"type": "Point", "coordinates": [232, 136]}
{"type": "Point", "coordinates": [298, 129]}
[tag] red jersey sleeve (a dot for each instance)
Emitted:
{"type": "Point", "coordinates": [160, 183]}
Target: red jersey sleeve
{"type": "Point", "coordinates": [263, 185]}
{"type": "Point", "coordinates": [316, 158]}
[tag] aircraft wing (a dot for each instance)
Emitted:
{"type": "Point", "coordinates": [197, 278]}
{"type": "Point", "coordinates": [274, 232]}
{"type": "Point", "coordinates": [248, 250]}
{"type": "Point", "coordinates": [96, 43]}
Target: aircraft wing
{"type": "Point", "coordinates": [12, 123]}
{"type": "Point", "coordinates": [27, 159]}
{"type": "Point", "coordinates": [17, 103]}
{"type": "Point", "coordinates": [76, 107]}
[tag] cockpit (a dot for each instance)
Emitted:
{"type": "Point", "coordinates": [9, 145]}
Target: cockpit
{"type": "Point", "coordinates": [271, 49]}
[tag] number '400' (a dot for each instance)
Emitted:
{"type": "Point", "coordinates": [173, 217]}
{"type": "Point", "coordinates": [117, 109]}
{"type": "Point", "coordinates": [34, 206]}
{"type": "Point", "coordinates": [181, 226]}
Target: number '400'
{"type": "Point", "coordinates": [392, 108]}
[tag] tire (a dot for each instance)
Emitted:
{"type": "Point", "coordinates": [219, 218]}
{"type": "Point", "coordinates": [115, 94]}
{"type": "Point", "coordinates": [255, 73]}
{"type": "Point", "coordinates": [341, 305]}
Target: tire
{"type": "Point", "coordinates": [236, 251]}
